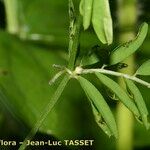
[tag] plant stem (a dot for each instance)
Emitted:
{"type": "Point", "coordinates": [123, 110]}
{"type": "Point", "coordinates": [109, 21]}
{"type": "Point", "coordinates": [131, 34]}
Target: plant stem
{"type": "Point", "coordinates": [47, 110]}
{"type": "Point", "coordinates": [118, 74]}
{"type": "Point", "coordinates": [74, 42]}
{"type": "Point", "coordinates": [11, 8]}
{"type": "Point", "coordinates": [73, 46]}
{"type": "Point", "coordinates": [127, 17]}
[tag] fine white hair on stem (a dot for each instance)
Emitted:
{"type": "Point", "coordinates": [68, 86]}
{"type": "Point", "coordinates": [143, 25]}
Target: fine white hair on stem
{"type": "Point", "coordinates": [56, 77]}
{"type": "Point", "coordinates": [113, 73]}
{"type": "Point", "coordinates": [79, 71]}
{"type": "Point", "coordinates": [59, 67]}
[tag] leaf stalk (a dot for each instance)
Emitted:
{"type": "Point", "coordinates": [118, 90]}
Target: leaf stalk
{"type": "Point", "coordinates": [113, 73]}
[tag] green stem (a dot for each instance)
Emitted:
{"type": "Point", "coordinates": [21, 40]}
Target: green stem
{"type": "Point", "coordinates": [11, 8]}
{"type": "Point", "coordinates": [73, 47]}
{"type": "Point", "coordinates": [74, 42]}
{"type": "Point", "coordinates": [47, 110]}
{"type": "Point", "coordinates": [113, 73]}
{"type": "Point", "coordinates": [127, 20]}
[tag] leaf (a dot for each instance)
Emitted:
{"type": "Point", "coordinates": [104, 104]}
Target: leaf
{"type": "Point", "coordinates": [100, 103]}
{"type": "Point", "coordinates": [86, 12]}
{"type": "Point", "coordinates": [96, 57]}
{"type": "Point", "coordinates": [144, 69]}
{"type": "Point", "coordinates": [100, 121]}
{"type": "Point", "coordinates": [137, 96]}
{"type": "Point", "coordinates": [89, 60]}
{"type": "Point", "coordinates": [81, 9]}
{"type": "Point", "coordinates": [102, 21]}
{"type": "Point", "coordinates": [125, 50]}
{"type": "Point", "coordinates": [120, 93]}
{"type": "Point", "coordinates": [112, 95]}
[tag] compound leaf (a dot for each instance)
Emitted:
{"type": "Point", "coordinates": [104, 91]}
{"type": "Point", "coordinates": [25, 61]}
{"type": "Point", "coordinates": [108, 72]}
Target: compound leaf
{"type": "Point", "coordinates": [126, 49]}
{"type": "Point", "coordinates": [102, 21]}
{"type": "Point", "coordinates": [139, 101]}
{"type": "Point", "coordinates": [120, 93]}
{"type": "Point", "coordinates": [144, 69]}
{"type": "Point", "coordinates": [100, 103]}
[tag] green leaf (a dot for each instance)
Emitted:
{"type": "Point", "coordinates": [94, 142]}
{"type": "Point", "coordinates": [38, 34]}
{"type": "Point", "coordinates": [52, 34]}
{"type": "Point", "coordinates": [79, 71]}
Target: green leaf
{"type": "Point", "coordinates": [102, 21]}
{"type": "Point", "coordinates": [100, 121]}
{"type": "Point", "coordinates": [100, 103]}
{"type": "Point", "coordinates": [120, 93]}
{"type": "Point", "coordinates": [112, 95]}
{"type": "Point", "coordinates": [81, 7]}
{"type": "Point", "coordinates": [126, 49]}
{"type": "Point", "coordinates": [144, 69]}
{"type": "Point", "coordinates": [86, 11]}
{"type": "Point", "coordinates": [137, 96]}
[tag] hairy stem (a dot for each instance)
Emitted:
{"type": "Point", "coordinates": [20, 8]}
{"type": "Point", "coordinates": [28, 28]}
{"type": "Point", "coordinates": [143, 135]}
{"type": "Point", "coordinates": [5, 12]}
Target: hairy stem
{"type": "Point", "coordinates": [118, 74]}
{"type": "Point", "coordinates": [75, 25]}
{"type": "Point", "coordinates": [47, 110]}
{"type": "Point", "coordinates": [11, 8]}
{"type": "Point", "coordinates": [74, 42]}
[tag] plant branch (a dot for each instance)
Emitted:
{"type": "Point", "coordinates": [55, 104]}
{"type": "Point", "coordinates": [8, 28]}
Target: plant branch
{"type": "Point", "coordinates": [113, 73]}
{"type": "Point", "coordinates": [47, 110]}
